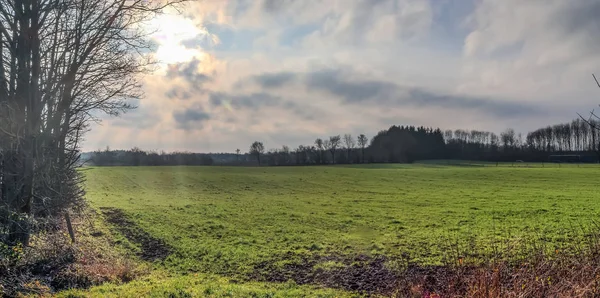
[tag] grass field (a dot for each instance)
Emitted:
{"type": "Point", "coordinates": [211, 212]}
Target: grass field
{"type": "Point", "coordinates": [235, 221]}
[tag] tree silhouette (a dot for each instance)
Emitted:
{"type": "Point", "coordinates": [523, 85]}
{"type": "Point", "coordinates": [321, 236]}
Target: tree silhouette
{"type": "Point", "coordinates": [320, 147]}
{"type": "Point", "coordinates": [256, 149]}
{"type": "Point", "coordinates": [362, 143]}
{"type": "Point", "coordinates": [333, 143]}
{"type": "Point", "coordinates": [349, 144]}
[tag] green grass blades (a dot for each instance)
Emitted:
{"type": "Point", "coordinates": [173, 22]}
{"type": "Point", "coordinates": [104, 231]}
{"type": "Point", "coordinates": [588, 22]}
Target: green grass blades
{"type": "Point", "coordinates": [198, 285]}
{"type": "Point", "coordinates": [225, 220]}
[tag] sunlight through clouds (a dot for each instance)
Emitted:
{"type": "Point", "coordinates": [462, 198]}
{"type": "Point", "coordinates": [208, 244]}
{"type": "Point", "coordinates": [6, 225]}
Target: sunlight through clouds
{"type": "Point", "coordinates": [170, 31]}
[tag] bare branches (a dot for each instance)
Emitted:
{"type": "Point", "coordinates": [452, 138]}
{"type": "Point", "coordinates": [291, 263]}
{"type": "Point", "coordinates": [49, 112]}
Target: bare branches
{"type": "Point", "coordinates": [590, 120]}
{"type": "Point", "coordinates": [74, 57]}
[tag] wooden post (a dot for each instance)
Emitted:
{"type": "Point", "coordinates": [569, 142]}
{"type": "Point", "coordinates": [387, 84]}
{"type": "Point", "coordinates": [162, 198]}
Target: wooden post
{"type": "Point", "coordinates": [70, 227]}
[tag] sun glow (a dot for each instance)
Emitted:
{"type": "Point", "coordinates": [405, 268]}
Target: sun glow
{"type": "Point", "coordinates": [170, 32]}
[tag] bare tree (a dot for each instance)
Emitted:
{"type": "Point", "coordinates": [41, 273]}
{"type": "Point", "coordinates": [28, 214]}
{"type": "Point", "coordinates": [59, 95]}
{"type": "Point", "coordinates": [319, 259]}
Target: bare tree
{"type": "Point", "coordinates": [326, 147]}
{"type": "Point", "coordinates": [508, 139]}
{"type": "Point", "coordinates": [332, 144]}
{"type": "Point", "coordinates": [593, 123]}
{"type": "Point", "coordinates": [61, 62]}
{"type": "Point", "coordinates": [320, 147]}
{"type": "Point", "coordinates": [362, 143]}
{"type": "Point", "coordinates": [237, 154]}
{"type": "Point", "coordinates": [349, 144]}
{"type": "Point", "coordinates": [256, 149]}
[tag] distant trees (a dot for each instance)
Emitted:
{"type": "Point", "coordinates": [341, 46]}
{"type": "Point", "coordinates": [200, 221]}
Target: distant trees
{"type": "Point", "coordinates": [256, 149]}
{"type": "Point", "coordinates": [138, 157]}
{"type": "Point", "coordinates": [397, 144]}
{"type": "Point", "coordinates": [405, 144]}
{"type": "Point", "coordinates": [508, 139]}
{"type": "Point", "coordinates": [575, 136]}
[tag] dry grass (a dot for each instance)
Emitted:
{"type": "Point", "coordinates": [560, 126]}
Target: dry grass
{"type": "Point", "coordinates": [53, 263]}
{"type": "Point", "coordinates": [574, 273]}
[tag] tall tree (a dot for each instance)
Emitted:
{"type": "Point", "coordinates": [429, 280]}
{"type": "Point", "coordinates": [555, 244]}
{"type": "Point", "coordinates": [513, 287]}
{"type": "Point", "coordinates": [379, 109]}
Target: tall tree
{"type": "Point", "coordinates": [256, 149]}
{"type": "Point", "coordinates": [320, 147]}
{"type": "Point", "coordinates": [349, 144]}
{"type": "Point", "coordinates": [362, 143]}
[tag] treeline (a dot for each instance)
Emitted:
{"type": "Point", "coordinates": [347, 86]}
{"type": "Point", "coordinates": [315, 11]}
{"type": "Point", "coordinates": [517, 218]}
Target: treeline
{"type": "Point", "coordinates": [576, 136]}
{"type": "Point", "coordinates": [398, 144]}
{"type": "Point", "coordinates": [138, 157]}
{"type": "Point", "coordinates": [405, 144]}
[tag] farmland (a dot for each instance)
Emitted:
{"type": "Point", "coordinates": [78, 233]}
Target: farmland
{"type": "Point", "coordinates": [252, 223]}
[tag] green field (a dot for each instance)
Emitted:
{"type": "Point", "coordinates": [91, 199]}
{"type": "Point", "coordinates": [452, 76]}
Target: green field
{"type": "Point", "coordinates": [231, 221]}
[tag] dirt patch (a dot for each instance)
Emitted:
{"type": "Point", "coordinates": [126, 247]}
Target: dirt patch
{"type": "Point", "coordinates": [361, 273]}
{"type": "Point", "coordinates": [152, 249]}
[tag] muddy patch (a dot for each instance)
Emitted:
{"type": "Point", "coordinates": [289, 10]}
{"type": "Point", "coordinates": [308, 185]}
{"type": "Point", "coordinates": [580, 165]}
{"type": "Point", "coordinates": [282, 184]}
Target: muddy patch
{"type": "Point", "coordinates": [360, 273]}
{"type": "Point", "coordinates": [152, 249]}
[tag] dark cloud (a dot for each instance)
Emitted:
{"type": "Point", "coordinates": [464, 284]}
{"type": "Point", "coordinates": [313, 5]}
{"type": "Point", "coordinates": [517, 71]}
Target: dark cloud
{"type": "Point", "coordinates": [360, 90]}
{"type": "Point", "coordinates": [274, 80]}
{"type": "Point", "coordinates": [504, 109]}
{"type": "Point", "coordinates": [189, 72]}
{"type": "Point", "coordinates": [189, 118]}
{"type": "Point", "coordinates": [382, 92]}
{"type": "Point", "coordinates": [256, 101]}
{"type": "Point", "coordinates": [351, 91]}
{"type": "Point", "coordinates": [249, 101]}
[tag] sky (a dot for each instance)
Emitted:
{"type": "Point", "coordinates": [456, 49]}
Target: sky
{"type": "Point", "coordinates": [286, 72]}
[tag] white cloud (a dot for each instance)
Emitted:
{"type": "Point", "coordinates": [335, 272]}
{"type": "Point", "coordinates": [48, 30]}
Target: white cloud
{"type": "Point", "coordinates": [533, 50]}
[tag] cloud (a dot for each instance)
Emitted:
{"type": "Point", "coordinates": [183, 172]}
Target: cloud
{"type": "Point", "coordinates": [178, 92]}
{"type": "Point", "coordinates": [534, 50]}
{"type": "Point", "coordinates": [354, 88]}
{"type": "Point", "coordinates": [352, 91]}
{"type": "Point", "coordinates": [193, 78]}
{"type": "Point", "coordinates": [260, 102]}
{"type": "Point", "coordinates": [252, 101]}
{"type": "Point", "coordinates": [189, 72]}
{"type": "Point", "coordinates": [497, 25]}
{"type": "Point", "coordinates": [499, 108]}
{"type": "Point", "coordinates": [288, 71]}
{"type": "Point", "coordinates": [190, 118]}
{"type": "Point", "coordinates": [274, 80]}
